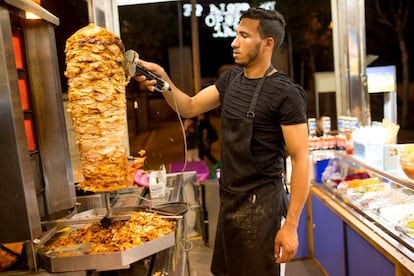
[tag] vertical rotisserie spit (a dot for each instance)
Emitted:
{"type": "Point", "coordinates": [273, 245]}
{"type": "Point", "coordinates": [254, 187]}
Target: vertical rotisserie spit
{"type": "Point", "coordinates": [97, 104]}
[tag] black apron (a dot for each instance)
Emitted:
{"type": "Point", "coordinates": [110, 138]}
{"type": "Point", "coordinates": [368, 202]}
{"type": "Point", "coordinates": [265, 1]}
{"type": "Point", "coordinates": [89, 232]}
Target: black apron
{"type": "Point", "coordinates": [248, 221]}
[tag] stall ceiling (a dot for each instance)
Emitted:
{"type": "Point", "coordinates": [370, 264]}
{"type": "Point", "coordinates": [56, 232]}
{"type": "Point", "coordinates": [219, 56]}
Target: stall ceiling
{"type": "Point", "coordinates": [27, 5]}
{"type": "Point", "coordinates": [136, 2]}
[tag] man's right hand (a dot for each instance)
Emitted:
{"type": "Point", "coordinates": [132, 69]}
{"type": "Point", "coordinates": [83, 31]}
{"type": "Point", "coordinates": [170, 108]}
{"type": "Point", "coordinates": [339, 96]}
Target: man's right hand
{"type": "Point", "coordinates": [154, 68]}
{"type": "Point", "coordinates": [145, 84]}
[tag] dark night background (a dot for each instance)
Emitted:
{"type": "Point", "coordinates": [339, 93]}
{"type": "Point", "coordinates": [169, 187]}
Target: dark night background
{"type": "Point", "coordinates": [155, 28]}
{"type": "Point", "coordinates": [151, 29]}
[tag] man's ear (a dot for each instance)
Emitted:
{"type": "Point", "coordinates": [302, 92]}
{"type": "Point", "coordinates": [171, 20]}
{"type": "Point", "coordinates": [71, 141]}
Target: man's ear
{"type": "Point", "coordinates": [270, 43]}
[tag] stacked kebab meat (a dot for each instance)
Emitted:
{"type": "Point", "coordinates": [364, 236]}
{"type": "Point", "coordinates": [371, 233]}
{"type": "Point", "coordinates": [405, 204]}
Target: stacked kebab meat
{"type": "Point", "coordinates": [97, 104]}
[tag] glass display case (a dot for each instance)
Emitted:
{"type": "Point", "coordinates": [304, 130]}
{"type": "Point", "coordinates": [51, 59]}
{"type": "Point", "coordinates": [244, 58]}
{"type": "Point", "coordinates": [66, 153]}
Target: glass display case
{"type": "Point", "coordinates": [358, 207]}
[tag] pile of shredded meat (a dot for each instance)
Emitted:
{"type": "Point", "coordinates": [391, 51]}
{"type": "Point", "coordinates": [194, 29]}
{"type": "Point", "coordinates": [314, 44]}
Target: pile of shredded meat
{"type": "Point", "coordinates": [121, 235]}
{"type": "Point", "coordinates": [97, 104]}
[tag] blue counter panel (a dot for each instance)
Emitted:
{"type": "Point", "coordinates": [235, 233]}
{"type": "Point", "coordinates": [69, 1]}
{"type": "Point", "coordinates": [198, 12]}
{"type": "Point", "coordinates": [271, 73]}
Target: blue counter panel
{"type": "Point", "coordinates": [364, 259]}
{"type": "Point", "coordinates": [328, 235]}
{"type": "Point", "coordinates": [303, 236]}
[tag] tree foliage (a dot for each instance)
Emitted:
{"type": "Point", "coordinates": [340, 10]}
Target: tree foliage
{"type": "Point", "coordinates": [308, 23]}
{"type": "Point", "coordinates": [309, 35]}
{"type": "Point", "coordinates": [394, 15]}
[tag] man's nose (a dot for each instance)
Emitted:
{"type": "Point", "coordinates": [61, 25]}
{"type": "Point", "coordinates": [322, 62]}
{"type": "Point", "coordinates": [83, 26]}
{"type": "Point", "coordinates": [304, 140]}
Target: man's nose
{"type": "Point", "coordinates": [234, 43]}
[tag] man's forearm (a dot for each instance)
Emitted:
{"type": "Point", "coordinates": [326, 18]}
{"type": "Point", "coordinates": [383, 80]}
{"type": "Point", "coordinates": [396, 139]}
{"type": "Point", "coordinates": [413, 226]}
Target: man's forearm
{"type": "Point", "coordinates": [298, 194]}
{"type": "Point", "coordinates": [178, 101]}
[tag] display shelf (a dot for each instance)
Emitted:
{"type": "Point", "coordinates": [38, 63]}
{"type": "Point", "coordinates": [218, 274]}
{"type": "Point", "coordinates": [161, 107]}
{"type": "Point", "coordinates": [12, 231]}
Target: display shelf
{"type": "Point", "coordinates": [373, 213]}
{"type": "Point", "coordinates": [387, 206]}
{"type": "Point", "coordinates": [379, 241]}
{"type": "Point", "coordinates": [396, 176]}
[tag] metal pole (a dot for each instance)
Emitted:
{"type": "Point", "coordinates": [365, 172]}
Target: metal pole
{"type": "Point", "coordinates": [180, 41]}
{"type": "Point", "coordinates": [195, 47]}
{"type": "Point", "coordinates": [90, 11]}
{"type": "Point", "coordinates": [350, 59]}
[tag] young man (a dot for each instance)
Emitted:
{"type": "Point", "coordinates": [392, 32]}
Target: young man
{"type": "Point", "coordinates": [263, 117]}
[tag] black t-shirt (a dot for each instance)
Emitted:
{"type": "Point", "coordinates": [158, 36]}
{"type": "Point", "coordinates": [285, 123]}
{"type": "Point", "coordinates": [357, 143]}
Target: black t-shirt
{"type": "Point", "coordinates": [281, 102]}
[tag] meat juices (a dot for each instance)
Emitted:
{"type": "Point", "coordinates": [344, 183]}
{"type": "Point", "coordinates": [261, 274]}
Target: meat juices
{"type": "Point", "coordinates": [97, 104]}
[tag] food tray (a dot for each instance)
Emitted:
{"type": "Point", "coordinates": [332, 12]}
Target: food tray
{"type": "Point", "coordinates": [379, 196]}
{"type": "Point", "coordinates": [395, 214]}
{"type": "Point", "coordinates": [73, 257]}
{"type": "Point", "coordinates": [102, 262]}
{"type": "Point", "coordinates": [406, 225]}
{"type": "Point", "coordinates": [389, 206]}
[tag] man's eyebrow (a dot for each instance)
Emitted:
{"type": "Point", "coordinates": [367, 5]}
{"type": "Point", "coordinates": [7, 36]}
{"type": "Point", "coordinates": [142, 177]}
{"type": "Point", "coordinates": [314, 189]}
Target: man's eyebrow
{"type": "Point", "coordinates": [243, 33]}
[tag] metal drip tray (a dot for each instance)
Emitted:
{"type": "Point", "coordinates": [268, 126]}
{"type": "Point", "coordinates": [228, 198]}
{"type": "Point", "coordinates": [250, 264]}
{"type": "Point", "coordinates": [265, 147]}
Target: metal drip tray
{"type": "Point", "coordinates": [101, 262]}
{"type": "Point", "coordinates": [75, 258]}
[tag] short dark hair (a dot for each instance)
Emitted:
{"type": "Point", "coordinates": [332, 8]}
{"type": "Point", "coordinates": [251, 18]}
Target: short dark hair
{"type": "Point", "coordinates": [271, 23]}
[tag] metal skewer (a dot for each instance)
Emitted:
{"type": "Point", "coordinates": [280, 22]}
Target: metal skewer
{"type": "Point", "coordinates": [108, 204]}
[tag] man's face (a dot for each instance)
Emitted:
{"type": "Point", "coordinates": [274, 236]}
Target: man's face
{"type": "Point", "coordinates": [247, 44]}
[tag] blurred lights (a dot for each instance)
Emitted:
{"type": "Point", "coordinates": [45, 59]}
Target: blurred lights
{"type": "Point", "coordinates": [30, 15]}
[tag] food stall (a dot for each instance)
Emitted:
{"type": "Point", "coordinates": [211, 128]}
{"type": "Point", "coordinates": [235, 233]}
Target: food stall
{"type": "Point", "coordinates": [39, 200]}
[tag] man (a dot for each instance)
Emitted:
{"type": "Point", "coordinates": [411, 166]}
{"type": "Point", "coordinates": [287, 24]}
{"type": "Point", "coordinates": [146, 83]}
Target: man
{"type": "Point", "coordinates": [263, 117]}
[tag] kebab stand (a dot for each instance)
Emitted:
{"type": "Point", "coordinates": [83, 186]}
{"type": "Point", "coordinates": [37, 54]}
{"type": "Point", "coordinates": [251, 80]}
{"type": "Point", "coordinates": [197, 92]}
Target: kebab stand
{"type": "Point", "coordinates": [38, 198]}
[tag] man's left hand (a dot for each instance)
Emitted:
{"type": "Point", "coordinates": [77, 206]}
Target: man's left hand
{"type": "Point", "coordinates": [286, 244]}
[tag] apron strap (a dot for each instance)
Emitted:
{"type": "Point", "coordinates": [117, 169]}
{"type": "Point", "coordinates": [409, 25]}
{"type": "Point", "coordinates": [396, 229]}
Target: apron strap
{"type": "Point", "coordinates": [250, 113]}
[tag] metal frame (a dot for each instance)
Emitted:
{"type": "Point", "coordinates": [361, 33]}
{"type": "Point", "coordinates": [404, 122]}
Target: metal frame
{"type": "Point", "coordinates": [18, 204]}
{"type": "Point", "coordinates": [348, 18]}
{"type": "Point", "coordinates": [48, 105]}
{"type": "Point", "coordinates": [30, 6]}
{"type": "Point", "coordinates": [39, 182]}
